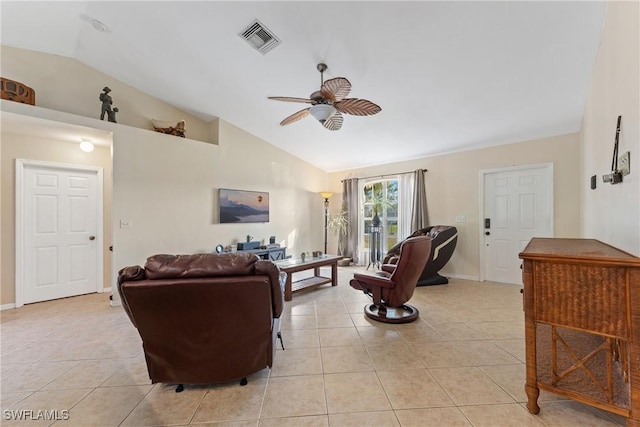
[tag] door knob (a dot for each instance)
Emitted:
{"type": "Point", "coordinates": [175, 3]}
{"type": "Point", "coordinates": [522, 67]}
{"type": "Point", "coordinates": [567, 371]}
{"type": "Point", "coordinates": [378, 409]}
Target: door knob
{"type": "Point", "coordinates": [92, 237]}
{"type": "Point", "coordinates": [487, 233]}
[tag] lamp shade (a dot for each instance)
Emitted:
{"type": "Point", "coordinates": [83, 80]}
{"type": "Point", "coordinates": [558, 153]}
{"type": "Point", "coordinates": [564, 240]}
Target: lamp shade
{"type": "Point", "coordinates": [322, 111]}
{"type": "Point", "coordinates": [326, 194]}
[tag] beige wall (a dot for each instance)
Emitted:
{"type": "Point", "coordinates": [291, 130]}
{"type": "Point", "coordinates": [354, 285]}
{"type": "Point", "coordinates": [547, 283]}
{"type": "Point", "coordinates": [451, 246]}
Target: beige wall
{"type": "Point", "coordinates": [165, 186]}
{"type": "Point", "coordinates": [611, 213]}
{"type": "Point", "coordinates": [14, 146]}
{"type": "Point", "coordinates": [453, 189]}
{"type": "Point", "coordinates": [64, 84]}
{"type": "Point", "coordinates": [168, 189]}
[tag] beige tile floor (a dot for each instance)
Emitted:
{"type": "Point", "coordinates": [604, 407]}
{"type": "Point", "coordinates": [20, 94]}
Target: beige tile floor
{"type": "Point", "coordinates": [460, 364]}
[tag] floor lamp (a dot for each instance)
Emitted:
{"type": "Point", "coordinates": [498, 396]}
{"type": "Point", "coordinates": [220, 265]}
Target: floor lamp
{"type": "Point", "coordinates": [325, 195]}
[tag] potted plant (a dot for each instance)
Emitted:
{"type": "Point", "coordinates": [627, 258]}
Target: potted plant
{"type": "Point", "coordinates": [338, 223]}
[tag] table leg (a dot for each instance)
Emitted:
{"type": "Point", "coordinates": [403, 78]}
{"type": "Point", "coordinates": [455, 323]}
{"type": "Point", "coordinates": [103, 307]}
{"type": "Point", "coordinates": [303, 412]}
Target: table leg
{"type": "Point", "coordinates": [288, 293]}
{"type": "Point", "coordinates": [334, 274]}
{"type": "Point", "coordinates": [531, 385]}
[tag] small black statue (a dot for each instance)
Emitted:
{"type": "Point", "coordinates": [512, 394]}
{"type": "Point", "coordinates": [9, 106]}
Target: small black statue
{"type": "Point", "coordinates": [111, 115]}
{"type": "Point", "coordinates": [106, 104]}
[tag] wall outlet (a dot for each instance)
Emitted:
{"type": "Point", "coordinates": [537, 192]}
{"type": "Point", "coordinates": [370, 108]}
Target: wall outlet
{"type": "Point", "coordinates": [125, 223]}
{"type": "Point", "coordinates": [624, 163]}
{"type": "Point", "coordinates": [461, 218]}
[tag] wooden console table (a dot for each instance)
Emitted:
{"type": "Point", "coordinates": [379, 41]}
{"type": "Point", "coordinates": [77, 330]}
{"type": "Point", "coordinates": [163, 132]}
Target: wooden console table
{"type": "Point", "coordinates": [582, 324]}
{"type": "Point", "coordinates": [291, 266]}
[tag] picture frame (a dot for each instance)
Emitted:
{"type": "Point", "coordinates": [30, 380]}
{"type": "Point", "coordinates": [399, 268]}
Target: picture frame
{"type": "Point", "coordinates": [242, 206]}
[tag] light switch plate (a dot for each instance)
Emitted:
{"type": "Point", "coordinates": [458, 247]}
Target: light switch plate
{"type": "Point", "coordinates": [624, 163]}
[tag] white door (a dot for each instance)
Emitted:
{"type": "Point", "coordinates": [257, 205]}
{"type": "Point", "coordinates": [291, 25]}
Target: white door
{"type": "Point", "coordinates": [58, 233]}
{"type": "Point", "coordinates": [518, 205]}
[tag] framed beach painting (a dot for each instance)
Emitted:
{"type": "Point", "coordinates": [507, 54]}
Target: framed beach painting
{"type": "Point", "coordinates": [243, 206]}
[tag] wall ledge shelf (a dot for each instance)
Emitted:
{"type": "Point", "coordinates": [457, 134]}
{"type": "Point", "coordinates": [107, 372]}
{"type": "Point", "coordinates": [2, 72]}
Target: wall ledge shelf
{"type": "Point", "coordinates": [9, 109]}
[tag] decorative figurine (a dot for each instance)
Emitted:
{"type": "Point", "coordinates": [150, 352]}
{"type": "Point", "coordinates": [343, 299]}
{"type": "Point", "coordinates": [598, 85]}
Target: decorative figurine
{"type": "Point", "coordinates": [169, 128]}
{"type": "Point", "coordinates": [106, 103]}
{"type": "Point", "coordinates": [111, 115]}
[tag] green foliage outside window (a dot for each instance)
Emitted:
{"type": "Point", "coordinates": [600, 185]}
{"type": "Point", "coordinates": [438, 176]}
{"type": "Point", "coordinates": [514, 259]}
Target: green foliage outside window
{"type": "Point", "coordinates": [381, 198]}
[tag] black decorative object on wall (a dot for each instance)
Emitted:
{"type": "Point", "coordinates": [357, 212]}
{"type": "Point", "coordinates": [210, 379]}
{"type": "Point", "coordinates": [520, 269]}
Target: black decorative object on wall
{"type": "Point", "coordinates": [615, 176]}
{"type": "Point", "coordinates": [106, 100]}
{"type": "Point", "coordinates": [112, 115]}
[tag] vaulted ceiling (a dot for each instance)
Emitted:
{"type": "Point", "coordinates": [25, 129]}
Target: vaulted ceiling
{"type": "Point", "coordinates": [448, 75]}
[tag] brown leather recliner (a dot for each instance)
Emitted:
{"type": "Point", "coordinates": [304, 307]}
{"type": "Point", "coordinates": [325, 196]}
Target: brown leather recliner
{"type": "Point", "coordinates": [444, 242]}
{"type": "Point", "coordinates": [391, 291]}
{"type": "Point", "coordinates": [204, 318]}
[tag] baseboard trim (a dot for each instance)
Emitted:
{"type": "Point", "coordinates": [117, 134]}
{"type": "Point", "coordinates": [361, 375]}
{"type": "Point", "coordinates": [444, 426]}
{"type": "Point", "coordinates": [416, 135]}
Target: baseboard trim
{"type": "Point", "coordinates": [104, 291]}
{"type": "Point", "coordinates": [113, 303]}
{"type": "Point", "coordinates": [460, 276]}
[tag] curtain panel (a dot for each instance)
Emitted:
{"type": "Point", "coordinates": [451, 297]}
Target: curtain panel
{"type": "Point", "coordinates": [406, 183]}
{"type": "Point", "coordinates": [419, 213]}
{"type": "Point", "coordinates": [350, 198]}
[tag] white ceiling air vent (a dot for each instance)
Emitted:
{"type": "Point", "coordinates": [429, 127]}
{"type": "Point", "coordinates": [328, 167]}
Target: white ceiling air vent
{"type": "Point", "coordinates": [260, 37]}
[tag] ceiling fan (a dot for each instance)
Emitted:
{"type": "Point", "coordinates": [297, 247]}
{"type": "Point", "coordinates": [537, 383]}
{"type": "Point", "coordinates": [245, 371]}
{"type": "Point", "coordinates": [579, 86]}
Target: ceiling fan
{"type": "Point", "coordinates": [329, 103]}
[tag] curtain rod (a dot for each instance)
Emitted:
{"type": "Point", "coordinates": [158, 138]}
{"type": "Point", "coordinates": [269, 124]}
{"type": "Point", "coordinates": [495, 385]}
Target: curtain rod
{"type": "Point", "coordinates": [388, 174]}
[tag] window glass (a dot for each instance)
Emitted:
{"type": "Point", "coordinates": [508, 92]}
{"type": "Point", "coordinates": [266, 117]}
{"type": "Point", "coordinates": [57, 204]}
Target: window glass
{"type": "Point", "coordinates": [380, 198]}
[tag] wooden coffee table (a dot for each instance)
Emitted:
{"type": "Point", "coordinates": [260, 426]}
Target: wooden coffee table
{"type": "Point", "coordinates": [293, 265]}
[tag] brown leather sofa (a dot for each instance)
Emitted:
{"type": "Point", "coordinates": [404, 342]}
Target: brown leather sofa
{"type": "Point", "coordinates": [444, 239]}
{"type": "Point", "coordinates": [204, 318]}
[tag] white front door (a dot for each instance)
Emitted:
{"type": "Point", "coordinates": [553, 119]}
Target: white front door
{"type": "Point", "coordinates": [518, 205]}
{"type": "Point", "coordinates": [58, 230]}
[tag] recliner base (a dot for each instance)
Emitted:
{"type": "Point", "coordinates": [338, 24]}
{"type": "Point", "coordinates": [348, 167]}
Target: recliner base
{"type": "Point", "coordinates": [436, 279]}
{"type": "Point", "coordinates": [403, 314]}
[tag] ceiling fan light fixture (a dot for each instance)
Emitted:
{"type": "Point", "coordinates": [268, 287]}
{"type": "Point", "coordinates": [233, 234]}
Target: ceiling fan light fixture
{"type": "Point", "coordinates": [329, 103]}
{"type": "Point", "coordinates": [322, 111]}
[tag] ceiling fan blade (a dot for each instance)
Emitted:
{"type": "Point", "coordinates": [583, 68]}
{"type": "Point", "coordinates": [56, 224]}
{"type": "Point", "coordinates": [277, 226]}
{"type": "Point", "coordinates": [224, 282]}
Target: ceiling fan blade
{"type": "Point", "coordinates": [357, 107]}
{"type": "Point", "coordinates": [334, 122]}
{"type": "Point", "coordinates": [295, 117]}
{"type": "Point", "coordinates": [291, 99]}
{"type": "Point", "coordinates": [336, 89]}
